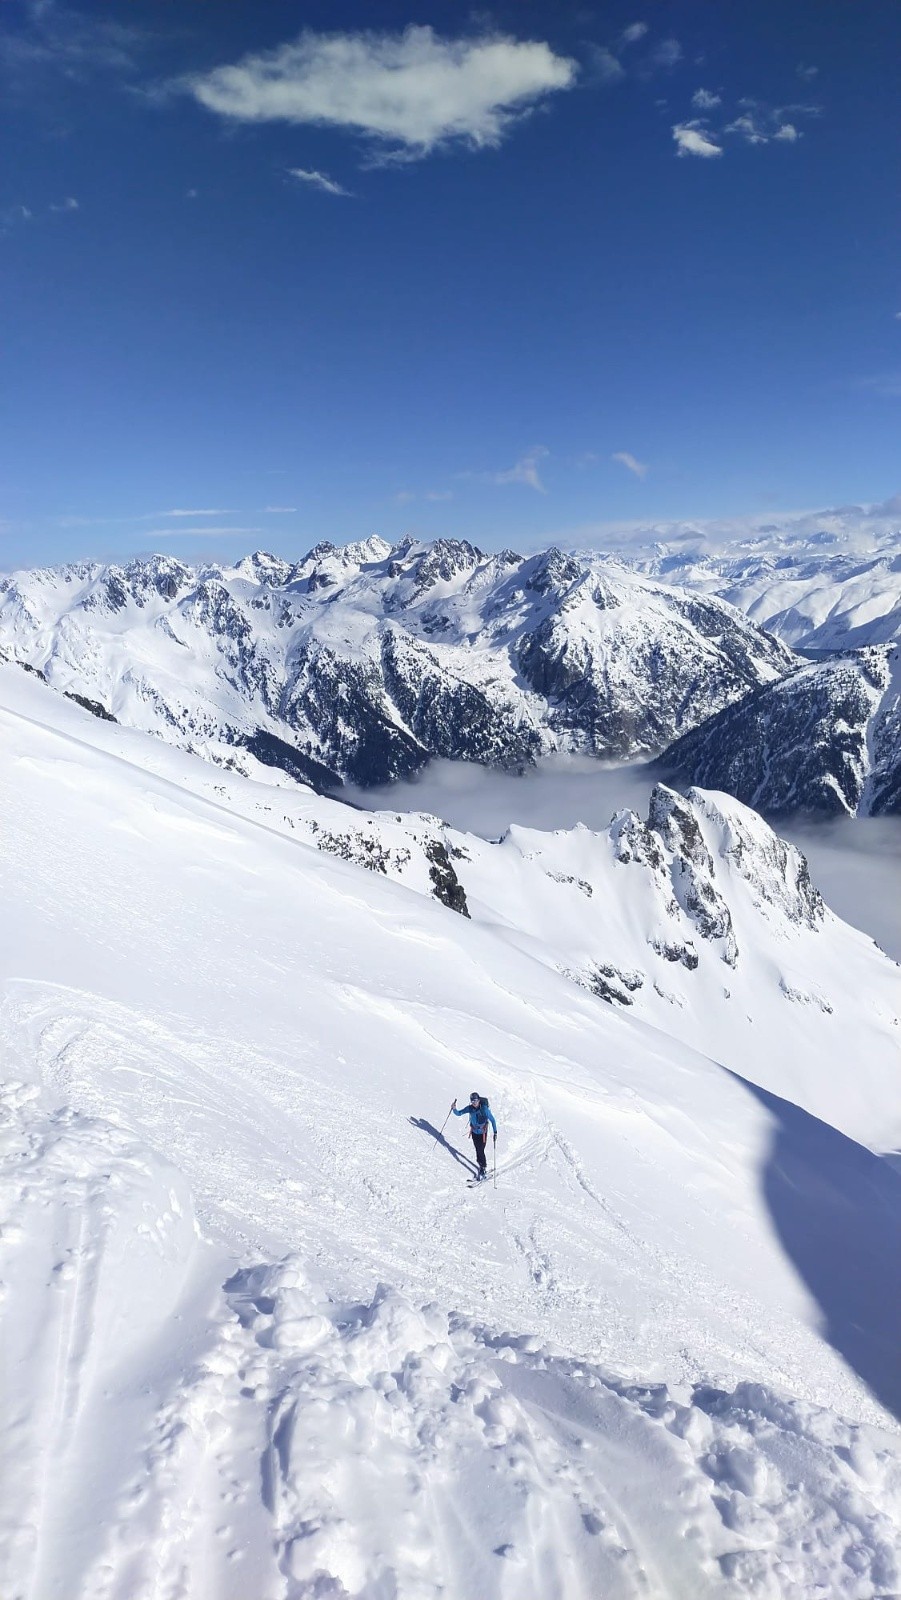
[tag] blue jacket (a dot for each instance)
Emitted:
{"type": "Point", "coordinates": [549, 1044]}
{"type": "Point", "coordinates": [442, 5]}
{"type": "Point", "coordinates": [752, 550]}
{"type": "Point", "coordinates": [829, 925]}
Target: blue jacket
{"type": "Point", "coordinates": [479, 1117]}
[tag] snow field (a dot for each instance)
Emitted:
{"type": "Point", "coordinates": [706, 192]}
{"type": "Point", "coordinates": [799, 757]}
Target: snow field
{"type": "Point", "coordinates": [264, 1342]}
{"type": "Point", "coordinates": [178, 1438]}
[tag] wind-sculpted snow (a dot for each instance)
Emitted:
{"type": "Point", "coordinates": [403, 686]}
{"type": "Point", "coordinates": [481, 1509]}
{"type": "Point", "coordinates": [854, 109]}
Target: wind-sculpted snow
{"type": "Point", "coordinates": [260, 1338]}
{"type": "Point", "coordinates": [362, 662]}
{"type": "Point", "coordinates": [826, 739]}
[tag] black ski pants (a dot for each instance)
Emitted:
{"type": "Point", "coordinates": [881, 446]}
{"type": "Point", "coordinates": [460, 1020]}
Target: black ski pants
{"type": "Point", "coordinates": [479, 1141]}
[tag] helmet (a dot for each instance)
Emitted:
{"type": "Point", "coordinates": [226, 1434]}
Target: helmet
{"type": "Point", "coordinates": [474, 1096]}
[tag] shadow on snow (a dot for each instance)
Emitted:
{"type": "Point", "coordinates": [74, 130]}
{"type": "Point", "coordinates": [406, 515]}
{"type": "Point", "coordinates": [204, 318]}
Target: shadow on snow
{"type": "Point", "coordinates": [837, 1210]}
{"type": "Point", "coordinates": [438, 1136]}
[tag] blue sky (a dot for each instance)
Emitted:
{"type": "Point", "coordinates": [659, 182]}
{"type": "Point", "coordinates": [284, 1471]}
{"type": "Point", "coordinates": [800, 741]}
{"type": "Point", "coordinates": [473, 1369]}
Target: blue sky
{"type": "Point", "coordinates": [321, 270]}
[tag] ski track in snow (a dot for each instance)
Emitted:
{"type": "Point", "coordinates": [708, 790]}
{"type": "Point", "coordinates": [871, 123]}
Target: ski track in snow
{"type": "Point", "coordinates": [290, 1445]}
{"type": "Point", "coordinates": [263, 1343]}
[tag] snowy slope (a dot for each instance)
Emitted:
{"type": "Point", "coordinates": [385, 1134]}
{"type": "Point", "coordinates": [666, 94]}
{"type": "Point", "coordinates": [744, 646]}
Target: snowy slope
{"type": "Point", "coordinates": [814, 590]}
{"type": "Point", "coordinates": [364, 661]}
{"type": "Point", "coordinates": [622, 1373]}
{"type": "Point", "coordinates": [826, 739]}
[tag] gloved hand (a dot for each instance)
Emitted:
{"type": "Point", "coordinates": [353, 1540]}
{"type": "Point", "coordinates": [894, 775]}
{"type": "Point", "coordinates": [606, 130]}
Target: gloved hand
{"type": "Point", "coordinates": [453, 1105]}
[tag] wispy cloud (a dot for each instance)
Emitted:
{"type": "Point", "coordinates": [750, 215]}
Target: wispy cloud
{"type": "Point", "coordinates": [279, 511]}
{"type": "Point", "coordinates": [319, 180]}
{"type": "Point", "coordinates": [665, 55]}
{"type": "Point", "coordinates": [14, 216]}
{"type": "Point", "coordinates": [203, 511]}
{"type": "Point", "coordinates": [405, 496]}
{"type": "Point", "coordinates": [805, 72]}
{"type": "Point", "coordinates": [887, 385]}
{"type": "Point", "coordinates": [59, 38]}
{"type": "Point", "coordinates": [525, 470]}
{"type": "Point", "coordinates": [756, 124]}
{"type": "Point", "coordinates": [410, 92]}
{"type": "Point", "coordinates": [606, 63]}
{"type": "Point", "coordinates": [759, 123]}
{"type": "Point", "coordinates": [625, 458]}
{"type": "Point", "coordinates": [694, 139]}
{"type": "Point", "coordinates": [605, 66]}
{"type": "Point", "coordinates": [748, 127]}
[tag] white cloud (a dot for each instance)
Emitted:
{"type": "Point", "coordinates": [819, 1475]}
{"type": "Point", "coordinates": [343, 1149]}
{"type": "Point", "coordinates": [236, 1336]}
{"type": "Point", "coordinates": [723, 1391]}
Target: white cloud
{"type": "Point", "coordinates": [318, 180]}
{"type": "Point", "coordinates": [525, 470]}
{"type": "Point", "coordinates": [705, 100]}
{"type": "Point", "coordinates": [205, 511]}
{"type": "Point", "coordinates": [404, 496]}
{"type": "Point", "coordinates": [626, 459]}
{"type": "Point", "coordinates": [440, 494]}
{"type": "Point", "coordinates": [633, 33]}
{"type": "Point", "coordinates": [414, 90]}
{"type": "Point", "coordinates": [278, 511]}
{"type": "Point", "coordinates": [788, 133]}
{"type": "Point", "coordinates": [69, 204]}
{"type": "Point", "coordinates": [806, 72]}
{"type": "Point", "coordinates": [693, 139]}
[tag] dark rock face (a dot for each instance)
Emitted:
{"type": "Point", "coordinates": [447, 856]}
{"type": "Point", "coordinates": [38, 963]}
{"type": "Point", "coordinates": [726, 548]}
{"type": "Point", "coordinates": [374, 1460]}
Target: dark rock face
{"type": "Point", "coordinates": [446, 886]}
{"type": "Point", "coordinates": [275, 752]}
{"type": "Point", "coordinates": [94, 706]}
{"type": "Point", "coordinates": [826, 739]}
{"type": "Point", "coordinates": [363, 662]}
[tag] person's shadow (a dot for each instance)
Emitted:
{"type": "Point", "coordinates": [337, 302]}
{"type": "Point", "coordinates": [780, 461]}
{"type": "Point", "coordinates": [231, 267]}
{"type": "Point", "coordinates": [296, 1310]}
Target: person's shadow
{"type": "Point", "coordinates": [438, 1136]}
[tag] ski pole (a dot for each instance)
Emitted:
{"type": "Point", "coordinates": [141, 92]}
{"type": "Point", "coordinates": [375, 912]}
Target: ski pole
{"type": "Point", "coordinates": [440, 1131]}
{"type": "Point", "coordinates": [495, 1161]}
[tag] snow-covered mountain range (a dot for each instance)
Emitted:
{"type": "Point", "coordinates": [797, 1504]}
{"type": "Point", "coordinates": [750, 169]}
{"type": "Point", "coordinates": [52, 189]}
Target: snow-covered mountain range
{"type": "Point", "coordinates": [362, 662]}
{"type": "Point", "coordinates": [816, 590]}
{"type": "Point", "coordinates": [825, 739]}
{"type": "Point", "coordinates": [259, 1336]}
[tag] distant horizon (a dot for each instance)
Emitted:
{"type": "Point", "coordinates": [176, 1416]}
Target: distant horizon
{"type": "Point", "coordinates": [858, 529]}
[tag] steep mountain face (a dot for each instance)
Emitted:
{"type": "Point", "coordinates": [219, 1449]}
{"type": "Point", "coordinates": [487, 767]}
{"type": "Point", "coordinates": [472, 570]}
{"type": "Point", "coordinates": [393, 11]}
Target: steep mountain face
{"type": "Point", "coordinates": [812, 592]}
{"type": "Point", "coordinates": [698, 920]}
{"type": "Point", "coordinates": [362, 662]}
{"type": "Point", "coordinates": [826, 739]}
